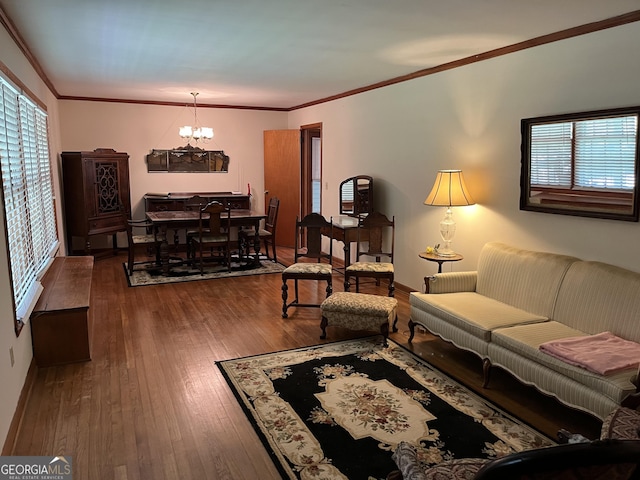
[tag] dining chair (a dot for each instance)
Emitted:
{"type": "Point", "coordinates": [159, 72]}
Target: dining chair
{"type": "Point", "coordinates": [192, 204]}
{"type": "Point", "coordinates": [310, 262]}
{"type": "Point", "coordinates": [214, 226]}
{"type": "Point", "coordinates": [267, 234]}
{"type": "Point", "coordinates": [137, 239]}
{"type": "Point", "coordinates": [378, 232]}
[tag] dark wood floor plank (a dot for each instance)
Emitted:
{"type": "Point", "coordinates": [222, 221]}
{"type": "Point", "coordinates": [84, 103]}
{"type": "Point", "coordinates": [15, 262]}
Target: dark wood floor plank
{"type": "Point", "coordinates": [152, 404]}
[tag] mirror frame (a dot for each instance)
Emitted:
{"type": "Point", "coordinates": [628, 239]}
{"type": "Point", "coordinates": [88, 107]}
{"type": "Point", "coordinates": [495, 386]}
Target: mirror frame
{"type": "Point", "coordinates": [585, 204]}
{"type": "Point", "coordinates": [355, 211]}
{"type": "Point", "coordinates": [187, 159]}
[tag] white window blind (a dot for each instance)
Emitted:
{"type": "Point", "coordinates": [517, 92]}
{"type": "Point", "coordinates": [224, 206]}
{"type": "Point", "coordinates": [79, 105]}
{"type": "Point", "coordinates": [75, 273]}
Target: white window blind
{"type": "Point", "coordinates": [28, 194]}
{"type": "Point", "coordinates": [551, 154]}
{"type": "Point", "coordinates": [589, 154]}
{"type": "Point", "coordinates": [606, 153]}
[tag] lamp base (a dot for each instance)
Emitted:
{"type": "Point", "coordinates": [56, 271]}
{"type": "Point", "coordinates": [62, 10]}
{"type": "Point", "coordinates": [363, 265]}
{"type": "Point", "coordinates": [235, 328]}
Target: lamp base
{"type": "Point", "coordinates": [447, 231]}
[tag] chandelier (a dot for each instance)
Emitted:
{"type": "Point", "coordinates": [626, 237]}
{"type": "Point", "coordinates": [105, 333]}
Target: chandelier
{"type": "Point", "coordinates": [196, 131]}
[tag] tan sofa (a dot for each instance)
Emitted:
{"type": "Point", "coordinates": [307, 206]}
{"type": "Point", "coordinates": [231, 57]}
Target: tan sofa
{"type": "Point", "coordinates": [519, 299]}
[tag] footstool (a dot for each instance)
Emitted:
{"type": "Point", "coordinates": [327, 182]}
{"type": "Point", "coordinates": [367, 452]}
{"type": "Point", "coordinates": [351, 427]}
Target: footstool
{"type": "Point", "coordinates": [359, 311]}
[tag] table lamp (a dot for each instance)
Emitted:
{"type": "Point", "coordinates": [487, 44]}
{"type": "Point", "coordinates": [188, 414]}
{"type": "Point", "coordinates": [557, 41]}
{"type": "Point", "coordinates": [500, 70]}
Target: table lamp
{"type": "Point", "coordinates": [449, 190]}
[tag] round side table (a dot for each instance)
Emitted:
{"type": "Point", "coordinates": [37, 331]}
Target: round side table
{"type": "Point", "coordinates": [434, 257]}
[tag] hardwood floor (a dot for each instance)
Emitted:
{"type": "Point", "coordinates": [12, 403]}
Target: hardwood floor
{"type": "Point", "coordinates": [153, 405]}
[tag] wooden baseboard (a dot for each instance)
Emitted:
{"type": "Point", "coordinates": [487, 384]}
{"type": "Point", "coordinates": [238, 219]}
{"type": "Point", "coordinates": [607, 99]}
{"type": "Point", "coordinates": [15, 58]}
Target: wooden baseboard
{"type": "Point", "coordinates": [18, 415]}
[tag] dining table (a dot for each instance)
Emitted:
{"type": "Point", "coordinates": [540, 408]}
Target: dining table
{"type": "Point", "coordinates": [178, 219]}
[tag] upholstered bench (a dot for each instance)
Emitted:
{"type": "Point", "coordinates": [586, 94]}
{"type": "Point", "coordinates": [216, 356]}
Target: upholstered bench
{"type": "Point", "coordinates": [359, 311]}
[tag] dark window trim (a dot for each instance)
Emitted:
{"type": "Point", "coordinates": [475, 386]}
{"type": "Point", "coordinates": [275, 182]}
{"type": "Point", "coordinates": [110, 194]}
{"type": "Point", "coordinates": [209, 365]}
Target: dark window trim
{"type": "Point", "coordinates": [609, 204]}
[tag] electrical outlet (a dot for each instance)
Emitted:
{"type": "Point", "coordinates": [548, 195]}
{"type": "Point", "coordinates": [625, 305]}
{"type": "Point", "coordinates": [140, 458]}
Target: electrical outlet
{"type": "Point", "coordinates": [13, 360]}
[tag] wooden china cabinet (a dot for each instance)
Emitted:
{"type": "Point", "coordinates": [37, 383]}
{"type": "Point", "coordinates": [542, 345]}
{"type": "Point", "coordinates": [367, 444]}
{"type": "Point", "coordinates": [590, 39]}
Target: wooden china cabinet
{"type": "Point", "coordinates": [96, 189]}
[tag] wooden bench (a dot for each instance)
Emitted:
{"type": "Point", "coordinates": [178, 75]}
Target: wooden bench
{"type": "Point", "coordinates": [60, 321]}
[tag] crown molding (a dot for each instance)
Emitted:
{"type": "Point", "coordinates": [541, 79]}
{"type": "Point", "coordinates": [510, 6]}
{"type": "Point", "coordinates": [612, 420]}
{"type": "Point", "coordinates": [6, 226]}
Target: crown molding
{"type": "Point", "coordinates": [612, 22]}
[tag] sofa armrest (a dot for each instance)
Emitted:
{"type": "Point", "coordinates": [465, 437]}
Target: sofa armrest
{"type": "Point", "coordinates": [451, 282]}
{"type": "Point", "coordinates": [409, 467]}
{"type": "Point", "coordinates": [406, 459]}
{"type": "Point", "coordinates": [622, 424]}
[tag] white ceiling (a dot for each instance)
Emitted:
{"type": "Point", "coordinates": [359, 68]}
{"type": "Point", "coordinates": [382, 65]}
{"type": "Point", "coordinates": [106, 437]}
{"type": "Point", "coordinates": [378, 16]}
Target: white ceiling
{"type": "Point", "coordinates": [271, 53]}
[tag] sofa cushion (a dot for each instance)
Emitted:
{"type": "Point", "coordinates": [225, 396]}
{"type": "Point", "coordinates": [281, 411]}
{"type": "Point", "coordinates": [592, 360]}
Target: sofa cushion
{"type": "Point", "coordinates": [525, 340]}
{"type": "Point", "coordinates": [522, 278]}
{"type": "Point", "coordinates": [473, 313]}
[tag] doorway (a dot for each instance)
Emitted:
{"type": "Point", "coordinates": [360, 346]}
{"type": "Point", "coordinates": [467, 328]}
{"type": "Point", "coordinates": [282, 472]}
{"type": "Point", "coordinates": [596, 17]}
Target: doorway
{"type": "Point", "coordinates": [311, 163]}
{"type": "Point", "coordinates": [293, 173]}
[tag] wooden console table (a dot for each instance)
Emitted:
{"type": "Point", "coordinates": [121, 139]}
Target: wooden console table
{"type": "Point", "coordinates": [345, 230]}
{"type": "Point", "coordinates": [60, 321]}
{"type": "Point", "coordinates": [177, 200]}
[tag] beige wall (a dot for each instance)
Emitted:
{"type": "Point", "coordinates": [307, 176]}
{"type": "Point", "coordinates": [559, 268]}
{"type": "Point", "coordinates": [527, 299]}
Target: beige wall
{"type": "Point", "coordinates": [469, 118]}
{"type": "Point", "coordinates": [466, 118]}
{"type": "Point", "coordinates": [137, 129]}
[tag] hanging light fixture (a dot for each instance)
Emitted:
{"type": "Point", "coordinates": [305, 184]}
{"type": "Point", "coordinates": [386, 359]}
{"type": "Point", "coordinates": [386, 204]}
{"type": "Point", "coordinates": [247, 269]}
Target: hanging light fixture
{"type": "Point", "coordinates": [196, 132]}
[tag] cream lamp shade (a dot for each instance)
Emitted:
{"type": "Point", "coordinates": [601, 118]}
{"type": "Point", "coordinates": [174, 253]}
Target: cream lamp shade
{"type": "Point", "coordinates": [449, 190]}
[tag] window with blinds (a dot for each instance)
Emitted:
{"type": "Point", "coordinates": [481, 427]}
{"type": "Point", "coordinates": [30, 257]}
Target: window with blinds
{"type": "Point", "coordinates": [27, 196]}
{"type": "Point", "coordinates": [582, 164]}
{"type": "Point", "coordinates": [551, 155]}
{"type": "Point", "coordinates": [605, 151]}
{"type": "Point", "coordinates": [590, 154]}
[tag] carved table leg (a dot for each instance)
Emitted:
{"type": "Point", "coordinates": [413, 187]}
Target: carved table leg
{"type": "Point", "coordinates": [285, 289]}
{"type": "Point", "coordinates": [164, 250]}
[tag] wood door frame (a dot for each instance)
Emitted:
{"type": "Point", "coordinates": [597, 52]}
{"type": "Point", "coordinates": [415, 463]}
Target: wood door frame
{"type": "Point", "coordinates": [307, 132]}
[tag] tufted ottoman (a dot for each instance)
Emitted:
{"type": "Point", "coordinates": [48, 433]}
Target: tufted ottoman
{"type": "Point", "coordinates": [359, 311]}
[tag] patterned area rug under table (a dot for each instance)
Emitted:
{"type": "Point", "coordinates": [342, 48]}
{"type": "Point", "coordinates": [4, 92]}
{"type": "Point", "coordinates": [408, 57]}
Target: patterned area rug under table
{"type": "Point", "coordinates": [338, 410]}
{"type": "Point", "coordinates": [187, 273]}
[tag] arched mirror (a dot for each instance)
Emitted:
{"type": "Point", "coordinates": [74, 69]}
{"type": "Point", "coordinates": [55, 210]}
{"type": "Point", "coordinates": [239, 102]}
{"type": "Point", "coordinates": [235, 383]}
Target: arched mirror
{"type": "Point", "coordinates": [356, 195]}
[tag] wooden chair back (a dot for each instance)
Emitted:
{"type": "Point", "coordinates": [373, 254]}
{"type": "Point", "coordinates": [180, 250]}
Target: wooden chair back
{"type": "Point", "coordinates": [215, 224]}
{"type": "Point", "coordinates": [146, 236]}
{"type": "Point", "coordinates": [309, 231]}
{"type": "Point", "coordinates": [195, 203]}
{"type": "Point", "coordinates": [379, 234]}
{"type": "Point", "coordinates": [272, 215]}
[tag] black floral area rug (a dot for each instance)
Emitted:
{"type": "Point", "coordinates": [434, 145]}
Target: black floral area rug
{"type": "Point", "coordinates": [338, 410]}
{"type": "Point", "coordinates": [188, 273]}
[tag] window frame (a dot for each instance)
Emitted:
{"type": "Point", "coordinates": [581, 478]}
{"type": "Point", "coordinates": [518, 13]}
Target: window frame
{"type": "Point", "coordinates": [27, 196]}
{"type": "Point", "coordinates": [608, 203]}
